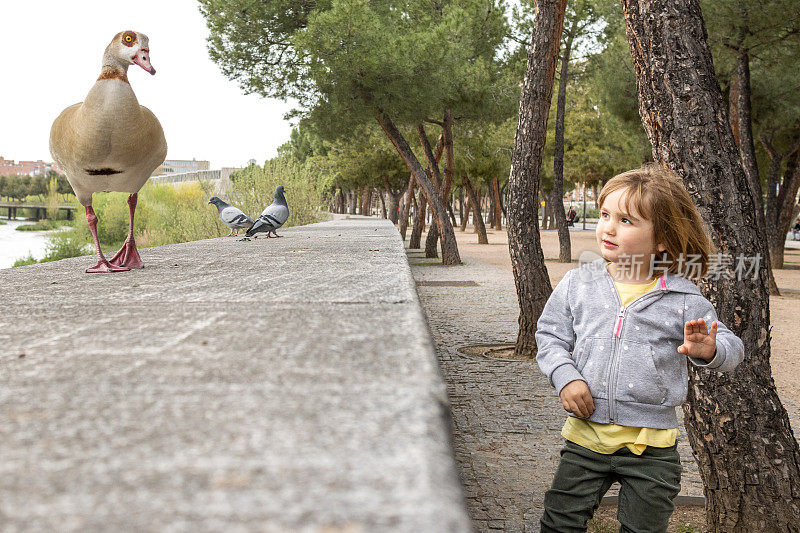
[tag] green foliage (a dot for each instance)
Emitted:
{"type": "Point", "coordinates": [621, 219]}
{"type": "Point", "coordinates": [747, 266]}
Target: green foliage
{"type": "Point", "coordinates": [16, 187]}
{"type": "Point", "coordinates": [254, 189]}
{"type": "Point", "coordinates": [303, 143]}
{"type": "Point", "coordinates": [29, 260]}
{"type": "Point", "coordinates": [41, 225]}
{"type": "Point", "coordinates": [52, 201]}
{"type": "Point", "coordinates": [64, 244]}
{"type": "Point", "coordinates": [484, 151]}
{"type": "Point", "coordinates": [342, 59]}
{"type": "Point", "coordinates": [364, 158]}
{"type": "Point", "coordinates": [169, 214]}
{"type": "Point", "coordinates": [165, 214]}
{"type": "Point", "coordinates": [252, 42]}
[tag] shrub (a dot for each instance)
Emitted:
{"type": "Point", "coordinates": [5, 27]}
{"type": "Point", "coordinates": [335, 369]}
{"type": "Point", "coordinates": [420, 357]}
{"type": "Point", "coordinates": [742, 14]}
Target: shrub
{"type": "Point", "coordinates": [41, 225]}
{"type": "Point", "coordinates": [254, 189]}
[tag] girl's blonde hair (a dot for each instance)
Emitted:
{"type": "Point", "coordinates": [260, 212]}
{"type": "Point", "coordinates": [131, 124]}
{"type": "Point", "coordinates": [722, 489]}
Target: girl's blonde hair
{"type": "Point", "coordinates": [658, 195]}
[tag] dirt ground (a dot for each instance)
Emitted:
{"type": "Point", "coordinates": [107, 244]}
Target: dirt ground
{"type": "Point", "coordinates": [690, 519]}
{"type": "Point", "coordinates": [784, 309]}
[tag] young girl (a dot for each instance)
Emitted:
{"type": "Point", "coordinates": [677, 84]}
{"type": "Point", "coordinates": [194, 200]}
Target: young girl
{"type": "Point", "coordinates": [613, 339]}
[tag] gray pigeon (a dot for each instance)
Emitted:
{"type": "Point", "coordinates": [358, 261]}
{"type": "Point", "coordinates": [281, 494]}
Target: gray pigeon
{"type": "Point", "coordinates": [233, 217]}
{"type": "Point", "coordinates": [274, 216]}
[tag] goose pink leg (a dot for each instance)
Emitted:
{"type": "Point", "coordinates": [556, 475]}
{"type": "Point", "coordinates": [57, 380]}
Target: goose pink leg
{"type": "Point", "coordinates": [102, 266]}
{"type": "Point", "coordinates": [128, 255]}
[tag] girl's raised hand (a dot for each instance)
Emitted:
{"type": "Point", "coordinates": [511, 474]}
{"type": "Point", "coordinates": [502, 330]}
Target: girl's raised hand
{"type": "Point", "coordinates": [699, 342]}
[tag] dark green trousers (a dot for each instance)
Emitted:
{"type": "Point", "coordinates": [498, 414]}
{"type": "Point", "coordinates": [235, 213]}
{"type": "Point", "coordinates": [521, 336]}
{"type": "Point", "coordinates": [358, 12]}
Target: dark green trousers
{"type": "Point", "coordinates": [648, 484]}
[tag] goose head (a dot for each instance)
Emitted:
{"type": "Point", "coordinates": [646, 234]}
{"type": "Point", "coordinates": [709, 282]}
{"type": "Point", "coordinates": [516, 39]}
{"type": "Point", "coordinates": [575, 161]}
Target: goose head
{"type": "Point", "coordinates": [128, 48]}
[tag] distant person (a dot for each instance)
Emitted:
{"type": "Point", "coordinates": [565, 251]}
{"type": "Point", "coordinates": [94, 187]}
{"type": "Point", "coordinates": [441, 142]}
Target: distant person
{"type": "Point", "coordinates": [571, 216]}
{"type": "Point", "coordinates": [620, 369]}
{"type": "Point", "coordinates": [796, 230]}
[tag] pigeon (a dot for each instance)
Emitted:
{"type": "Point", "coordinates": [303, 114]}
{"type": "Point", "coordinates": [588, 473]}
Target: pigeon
{"type": "Point", "coordinates": [274, 216]}
{"type": "Point", "coordinates": [233, 217]}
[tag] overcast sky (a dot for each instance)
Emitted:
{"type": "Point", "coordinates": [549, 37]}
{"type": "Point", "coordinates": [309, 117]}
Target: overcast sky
{"type": "Point", "coordinates": [51, 54]}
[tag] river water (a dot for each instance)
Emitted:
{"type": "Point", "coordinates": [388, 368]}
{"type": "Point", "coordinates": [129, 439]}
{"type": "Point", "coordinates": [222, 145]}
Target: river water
{"type": "Point", "coordinates": [18, 244]}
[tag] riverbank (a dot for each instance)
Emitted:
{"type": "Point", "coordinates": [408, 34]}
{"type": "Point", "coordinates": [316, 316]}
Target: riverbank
{"type": "Point", "coordinates": [15, 244]}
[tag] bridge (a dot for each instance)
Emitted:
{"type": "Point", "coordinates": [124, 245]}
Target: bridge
{"type": "Point", "coordinates": [40, 210]}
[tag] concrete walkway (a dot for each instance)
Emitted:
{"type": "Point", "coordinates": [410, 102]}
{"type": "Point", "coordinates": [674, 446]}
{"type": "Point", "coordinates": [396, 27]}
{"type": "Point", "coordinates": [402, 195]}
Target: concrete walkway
{"type": "Point", "coordinates": [274, 385]}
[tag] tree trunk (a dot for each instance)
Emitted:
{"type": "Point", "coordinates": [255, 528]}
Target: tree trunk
{"type": "Point", "coordinates": [503, 199]}
{"type": "Point", "coordinates": [564, 244]}
{"type": "Point", "coordinates": [383, 203]}
{"type": "Point", "coordinates": [407, 207]}
{"type": "Point", "coordinates": [498, 212]}
{"type": "Point", "coordinates": [433, 169]}
{"type": "Point", "coordinates": [524, 243]}
{"type": "Point", "coordinates": [745, 124]}
{"type": "Point", "coordinates": [465, 215]}
{"type": "Point", "coordinates": [733, 100]}
{"type": "Point", "coordinates": [419, 221]}
{"type": "Point", "coordinates": [461, 206]}
{"type": "Point", "coordinates": [477, 219]}
{"type": "Point", "coordinates": [546, 212]}
{"type": "Point", "coordinates": [738, 428]}
{"type": "Point", "coordinates": [447, 139]}
{"type": "Point", "coordinates": [776, 221]}
{"type": "Point", "coordinates": [366, 201]}
{"type": "Point", "coordinates": [352, 201]}
{"type": "Point", "coordinates": [450, 254]}
{"type": "Point", "coordinates": [747, 152]}
{"type": "Point", "coordinates": [338, 201]}
{"type": "Point", "coordinates": [394, 205]}
{"type": "Point", "coordinates": [490, 198]}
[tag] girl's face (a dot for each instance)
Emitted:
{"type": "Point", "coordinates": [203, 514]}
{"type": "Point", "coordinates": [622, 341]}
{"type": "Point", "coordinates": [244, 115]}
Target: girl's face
{"type": "Point", "coordinates": [625, 234]}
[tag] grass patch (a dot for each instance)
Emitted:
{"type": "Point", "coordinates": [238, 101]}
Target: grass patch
{"type": "Point", "coordinates": [40, 225]}
{"type": "Point", "coordinates": [25, 261]}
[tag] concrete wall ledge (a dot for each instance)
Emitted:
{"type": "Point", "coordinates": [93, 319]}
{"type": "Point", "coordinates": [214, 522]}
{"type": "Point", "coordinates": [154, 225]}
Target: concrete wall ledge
{"type": "Point", "coordinates": [274, 385]}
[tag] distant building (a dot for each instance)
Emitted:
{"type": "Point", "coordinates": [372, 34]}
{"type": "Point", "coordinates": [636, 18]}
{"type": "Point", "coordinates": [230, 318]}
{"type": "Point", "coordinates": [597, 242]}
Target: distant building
{"type": "Point", "coordinates": [26, 168]}
{"type": "Point", "coordinates": [178, 166]}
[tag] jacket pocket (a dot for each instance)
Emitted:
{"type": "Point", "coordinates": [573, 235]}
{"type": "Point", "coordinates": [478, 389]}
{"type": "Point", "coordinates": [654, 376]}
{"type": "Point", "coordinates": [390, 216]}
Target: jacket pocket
{"type": "Point", "coordinates": [637, 377]}
{"type": "Point", "coordinates": [672, 368]}
{"type": "Point", "coordinates": [592, 361]}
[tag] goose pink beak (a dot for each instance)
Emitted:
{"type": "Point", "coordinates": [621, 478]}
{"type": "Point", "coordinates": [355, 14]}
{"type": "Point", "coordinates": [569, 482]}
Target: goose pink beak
{"type": "Point", "coordinates": [142, 58]}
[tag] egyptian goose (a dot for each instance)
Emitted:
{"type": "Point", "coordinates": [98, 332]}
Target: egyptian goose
{"type": "Point", "coordinates": [109, 142]}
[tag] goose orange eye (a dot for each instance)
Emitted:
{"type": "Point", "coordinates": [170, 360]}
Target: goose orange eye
{"type": "Point", "coordinates": [128, 38]}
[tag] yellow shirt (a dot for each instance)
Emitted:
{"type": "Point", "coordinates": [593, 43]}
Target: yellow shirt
{"type": "Point", "coordinates": [608, 438]}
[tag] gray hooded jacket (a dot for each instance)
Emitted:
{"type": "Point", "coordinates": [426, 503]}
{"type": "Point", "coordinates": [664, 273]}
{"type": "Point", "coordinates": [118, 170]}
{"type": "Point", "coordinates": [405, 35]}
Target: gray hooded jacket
{"type": "Point", "coordinates": [627, 355]}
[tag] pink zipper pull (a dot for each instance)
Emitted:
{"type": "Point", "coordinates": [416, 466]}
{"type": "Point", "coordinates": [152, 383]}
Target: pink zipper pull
{"type": "Point", "coordinates": [619, 321]}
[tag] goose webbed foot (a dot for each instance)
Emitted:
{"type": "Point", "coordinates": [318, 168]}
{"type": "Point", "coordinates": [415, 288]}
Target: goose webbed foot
{"type": "Point", "coordinates": [104, 267]}
{"type": "Point", "coordinates": [128, 256]}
